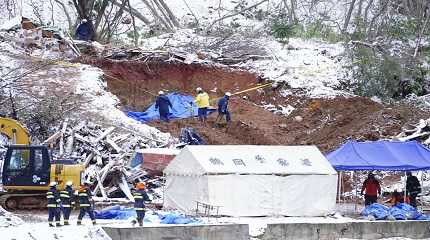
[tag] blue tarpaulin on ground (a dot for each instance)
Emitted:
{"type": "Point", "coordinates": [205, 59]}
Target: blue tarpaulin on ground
{"type": "Point", "coordinates": [123, 213]}
{"type": "Point", "coordinates": [380, 155]}
{"type": "Point", "coordinates": [376, 210]}
{"type": "Point", "coordinates": [183, 107]}
{"type": "Point", "coordinates": [401, 211]}
{"type": "Point", "coordinates": [115, 212]}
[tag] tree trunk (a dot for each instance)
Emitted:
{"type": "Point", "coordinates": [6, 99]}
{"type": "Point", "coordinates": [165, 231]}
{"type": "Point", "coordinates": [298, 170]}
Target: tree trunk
{"type": "Point", "coordinates": [360, 8]}
{"type": "Point", "coordinates": [366, 12]}
{"type": "Point", "coordinates": [166, 18]}
{"type": "Point", "coordinates": [170, 13]}
{"type": "Point", "coordinates": [293, 10]}
{"type": "Point", "coordinates": [348, 16]}
{"type": "Point", "coordinates": [234, 14]}
{"type": "Point", "coordinates": [100, 13]}
{"type": "Point", "coordinates": [136, 39]}
{"type": "Point", "coordinates": [372, 22]}
{"type": "Point", "coordinates": [134, 12]}
{"type": "Point", "coordinates": [69, 20]}
{"type": "Point", "coordinates": [156, 15]}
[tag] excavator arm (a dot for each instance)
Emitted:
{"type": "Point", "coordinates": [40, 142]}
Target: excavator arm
{"type": "Point", "coordinates": [14, 131]}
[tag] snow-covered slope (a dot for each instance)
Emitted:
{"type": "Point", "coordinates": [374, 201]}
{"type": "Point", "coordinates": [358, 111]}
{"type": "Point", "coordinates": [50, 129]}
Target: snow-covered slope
{"type": "Point", "coordinates": [313, 68]}
{"type": "Point", "coordinates": [80, 86]}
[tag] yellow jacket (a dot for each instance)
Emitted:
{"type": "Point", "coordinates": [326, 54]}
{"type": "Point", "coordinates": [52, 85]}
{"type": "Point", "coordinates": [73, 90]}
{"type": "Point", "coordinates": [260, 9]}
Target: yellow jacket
{"type": "Point", "coordinates": [202, 100]}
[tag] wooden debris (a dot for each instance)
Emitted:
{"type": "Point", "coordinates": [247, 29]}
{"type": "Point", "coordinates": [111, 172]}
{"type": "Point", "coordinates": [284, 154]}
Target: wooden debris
{"type": "Point", "coordinates": [421, 133]}
{"type": "Point", "coordinates": [105, 153]}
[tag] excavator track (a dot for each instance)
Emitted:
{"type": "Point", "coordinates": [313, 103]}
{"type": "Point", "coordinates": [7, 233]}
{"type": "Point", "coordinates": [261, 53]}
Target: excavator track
{"type": "Point", "coordinates": [23, 201]}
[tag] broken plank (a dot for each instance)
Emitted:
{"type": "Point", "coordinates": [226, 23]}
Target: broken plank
{"type": "Point", "coordinates": [103, 135]}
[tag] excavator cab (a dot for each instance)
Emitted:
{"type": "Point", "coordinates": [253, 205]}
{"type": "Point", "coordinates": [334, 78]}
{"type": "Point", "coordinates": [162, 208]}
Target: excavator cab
{"type": "Point", "coordinates": [26, 165]}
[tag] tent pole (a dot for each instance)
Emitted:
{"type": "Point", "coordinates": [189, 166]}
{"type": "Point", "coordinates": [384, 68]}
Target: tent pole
{"type": "Point", "coordinates": [355, 192]}
{"type": "Point", "coordinates": [404, 192]}
{"type": "Point", "coordinates": [338, 187]}
{"type": "Point", "coordinates": [164, 186]}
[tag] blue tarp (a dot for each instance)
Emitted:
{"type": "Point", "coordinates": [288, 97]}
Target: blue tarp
{"type": "Point", "coordinates": [183, 107]}
{"type": "Point", "coordinates": [401, 211]}
{"type": "Point", "coordinates": [115, 212]}
{"type": "Point", "coordinates": [380, 155]}
{"type": "Point", "coordinates": [124, 213]}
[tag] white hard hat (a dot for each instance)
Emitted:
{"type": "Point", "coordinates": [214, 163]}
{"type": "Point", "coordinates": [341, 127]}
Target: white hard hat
{"type": "Point", "coordinates": [53, 184]}
{"type": "Point", "coordinates": [88, 182]}
{"type": "Point", "coordinates": [199, 89]}
{"type": "Point", "coordinates": [69, 183]}
{"type": "Point", "coordinates": [84, 20]}
{"type": "Point", "coordinates": [228, 94]}
{"type": "Point", "coordinates": [160, 93]}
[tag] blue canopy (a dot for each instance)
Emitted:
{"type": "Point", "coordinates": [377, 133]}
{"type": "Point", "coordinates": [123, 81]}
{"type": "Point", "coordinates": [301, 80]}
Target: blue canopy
{"type": "Point", "coordinates": [183, 107]}
{"type": "Point", "coordinates": [380, 155]}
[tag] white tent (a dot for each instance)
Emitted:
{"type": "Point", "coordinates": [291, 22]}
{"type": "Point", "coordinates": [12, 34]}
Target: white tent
{"type": "Point", "coordinates": [252, 180]}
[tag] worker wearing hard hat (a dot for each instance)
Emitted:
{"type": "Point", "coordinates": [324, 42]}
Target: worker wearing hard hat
{"type": "Point", "coordinates": [202, 102]}
{"type": "Point", "coordinates": [53, 205]}
{"type": "Point", "coordinates": [84, 31]}
{"type": "Point", "coordinates": [67, 201]}
{"type": "Point", "coordinates": [140, 196]}
{"type": "Point", "coordinates": [85, 205]}
{"type": "Point", "coordinates": [223, 107]}
{"type": "Point", "coordinates": [162, 103]}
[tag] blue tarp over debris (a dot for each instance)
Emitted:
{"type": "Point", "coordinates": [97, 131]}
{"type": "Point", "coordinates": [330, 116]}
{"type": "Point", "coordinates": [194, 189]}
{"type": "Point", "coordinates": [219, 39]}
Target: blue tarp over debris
{"type": "Point", "coordinates": [183, 107]}
{"type": "Point", "coordinates": [401, 211]}
{"type": "Point", "coordinates": [124, 213]}
{"type": "Point", "coordinates": [380, 155]}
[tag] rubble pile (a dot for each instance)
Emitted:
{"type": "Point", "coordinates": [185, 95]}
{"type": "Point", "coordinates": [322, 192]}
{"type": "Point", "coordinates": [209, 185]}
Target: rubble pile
{"type": "Point", "coordinates": [419, 132]}
{"type": "Point", "coordinates": [105, 153]}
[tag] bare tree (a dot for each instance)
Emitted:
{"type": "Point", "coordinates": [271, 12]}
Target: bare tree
{"type": "Point", "coordinates": [66, 13]}
{"type": "Point", "coordinates": [8, 7]}
{"type": "Point", "coordinates": [136, 37]}
{"type": "Point", "coordinates": [348, 16]}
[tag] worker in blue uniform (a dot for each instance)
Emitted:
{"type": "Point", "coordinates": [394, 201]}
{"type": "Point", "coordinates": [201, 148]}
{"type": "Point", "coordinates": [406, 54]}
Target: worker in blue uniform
{"type": "Point", "coordinates": [163, 104]}
{"type": "Point", "coordinates": [67, 201]}
{"type": "Point", "coordinates": [85, 206]}
{"type": "Point", "coordinates": [223, 108]}
{"type": "Point", "coordinates": [140, 196]}
{"type": "Point", "coordinates": [53, 205]}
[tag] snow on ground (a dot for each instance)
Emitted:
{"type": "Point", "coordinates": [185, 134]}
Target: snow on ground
{"type": "Point", "coordinates": [308, 64]}
{"type": "Point", "coordinates": [40, 231]}
{"type": "Point", "coordinates": [81, 82]}
{"type": "Point", "coordinates": [314, 67]}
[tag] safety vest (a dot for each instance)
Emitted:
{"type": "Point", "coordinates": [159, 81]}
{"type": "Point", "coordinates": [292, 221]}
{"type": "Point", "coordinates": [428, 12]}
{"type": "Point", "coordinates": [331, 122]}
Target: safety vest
{"type": "Point", "coordinates": [53, 198]}
{"type": "Point", "coordinates": [140, 197]}
{"type": "Point", "coordinates": [84, 197]}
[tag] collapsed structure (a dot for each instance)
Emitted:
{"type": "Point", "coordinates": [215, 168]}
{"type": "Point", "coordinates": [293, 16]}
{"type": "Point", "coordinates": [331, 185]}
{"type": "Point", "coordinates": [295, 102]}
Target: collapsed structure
{"type": "Point", "coordinates": [105, 154]}
{"type": "Point", "coordinates": [250, 180]}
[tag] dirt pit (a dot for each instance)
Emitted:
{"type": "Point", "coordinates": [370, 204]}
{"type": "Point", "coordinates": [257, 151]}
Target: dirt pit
{"type": "Point", "coordinates": [326, 123]}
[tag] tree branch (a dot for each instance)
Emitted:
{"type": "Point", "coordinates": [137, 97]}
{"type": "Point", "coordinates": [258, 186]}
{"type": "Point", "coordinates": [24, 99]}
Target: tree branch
{"type": "Point", "coordinates": [234, 14]}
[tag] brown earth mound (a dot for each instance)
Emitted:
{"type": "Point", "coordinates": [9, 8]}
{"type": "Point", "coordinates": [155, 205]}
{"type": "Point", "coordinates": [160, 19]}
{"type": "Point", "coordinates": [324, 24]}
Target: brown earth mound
{"type": "Point", "coordinates": [326, 123]}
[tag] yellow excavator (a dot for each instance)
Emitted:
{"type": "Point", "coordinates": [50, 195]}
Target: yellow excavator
{"type": "Point", "coordinates": [28, 170]}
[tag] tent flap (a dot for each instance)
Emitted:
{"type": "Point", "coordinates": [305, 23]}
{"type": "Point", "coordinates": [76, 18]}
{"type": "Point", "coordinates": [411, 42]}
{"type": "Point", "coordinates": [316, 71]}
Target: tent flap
{"type": "Point", "coordinates": [380, 155]}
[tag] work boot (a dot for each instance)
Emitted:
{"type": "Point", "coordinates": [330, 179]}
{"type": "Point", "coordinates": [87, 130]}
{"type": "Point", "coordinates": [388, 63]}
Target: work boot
{"type": "Point", "coordinates": [58, 224]}
{"type": "Point", "coordinates": [79, 222]}
{"type": "Point", "coordinates": [51, 225]}
{"type": "Point", "coordinates": [66, 222]}
{"type": "Point", "coordinates": [94, 222]}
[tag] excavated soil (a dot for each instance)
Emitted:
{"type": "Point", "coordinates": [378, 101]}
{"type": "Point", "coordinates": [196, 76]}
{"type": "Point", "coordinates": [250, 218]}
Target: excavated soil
{"type": "Point", "coordinates": [326, 123]}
